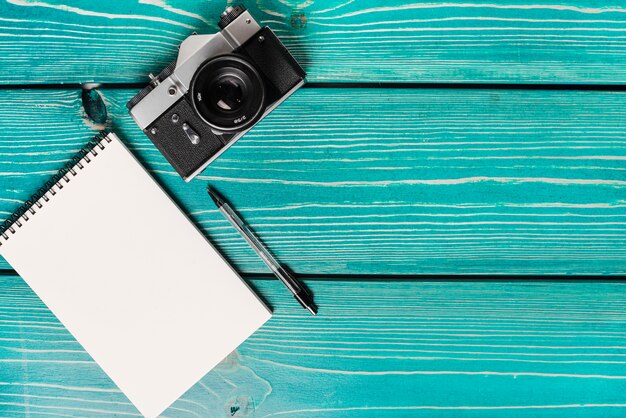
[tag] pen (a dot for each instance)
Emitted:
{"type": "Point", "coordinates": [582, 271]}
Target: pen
{"type": "Point", "coordinates": [298, 290]}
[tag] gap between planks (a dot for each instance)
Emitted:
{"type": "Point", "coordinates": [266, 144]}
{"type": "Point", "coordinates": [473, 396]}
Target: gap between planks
{"type": "Point", "coordinates": [382, 85]}
{"type": "Point", "coordinates": [425, 278]}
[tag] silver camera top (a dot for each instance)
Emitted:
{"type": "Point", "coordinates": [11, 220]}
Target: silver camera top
{"type": "Point", "coordinates": [194, 51]}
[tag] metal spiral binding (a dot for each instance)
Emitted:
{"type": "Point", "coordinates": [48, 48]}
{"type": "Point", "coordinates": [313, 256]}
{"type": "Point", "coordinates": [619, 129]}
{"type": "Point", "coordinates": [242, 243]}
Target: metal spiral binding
{"type": "Point", "coordinates": [36, 201]}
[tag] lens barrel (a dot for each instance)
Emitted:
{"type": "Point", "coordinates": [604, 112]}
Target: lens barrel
{"type": "Point", "coordinates": [228, 93]}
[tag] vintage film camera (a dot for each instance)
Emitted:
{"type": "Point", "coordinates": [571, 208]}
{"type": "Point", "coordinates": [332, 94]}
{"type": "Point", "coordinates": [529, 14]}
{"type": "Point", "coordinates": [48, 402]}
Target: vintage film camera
{"type": "Point", "coordinates": [217, 89]}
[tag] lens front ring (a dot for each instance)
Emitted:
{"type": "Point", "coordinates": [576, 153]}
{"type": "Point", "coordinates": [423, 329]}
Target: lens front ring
{"type": "Point", "coordinates": [228, 93]}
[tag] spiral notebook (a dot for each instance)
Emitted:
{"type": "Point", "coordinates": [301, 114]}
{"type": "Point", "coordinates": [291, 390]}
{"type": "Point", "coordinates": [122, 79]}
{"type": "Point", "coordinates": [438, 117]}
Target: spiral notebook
{"type": "Point", "coordinates": [130, 276]}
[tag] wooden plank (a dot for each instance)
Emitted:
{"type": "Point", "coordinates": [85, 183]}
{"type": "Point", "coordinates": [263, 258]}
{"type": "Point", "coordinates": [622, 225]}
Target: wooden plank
{"type": "Point", "coordinates": [575, 41]}
{"type": "Point", "coordinates": [370, 181]}
{"type": "Point", "coordinates": [376, 349]}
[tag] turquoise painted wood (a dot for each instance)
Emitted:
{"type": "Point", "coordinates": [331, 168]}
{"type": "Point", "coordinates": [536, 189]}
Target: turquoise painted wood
{"type": "Point", "coordinates": [374, 181]}
{"type": "Point", "coordinates": [377, 349]}
{"type": "Point", "coordinates": [519, 41]}
{"type": "Point", "coordinates": [360, 181]}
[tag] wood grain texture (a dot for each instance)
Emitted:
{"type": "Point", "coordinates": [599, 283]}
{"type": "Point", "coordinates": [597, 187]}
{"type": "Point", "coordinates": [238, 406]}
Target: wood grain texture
{"type": "Point", "coordinates": [571, 41]}
{"type": "Point", "coordinates": [382, 181]}
{"type": "Point", "coordinates": [377, 349]}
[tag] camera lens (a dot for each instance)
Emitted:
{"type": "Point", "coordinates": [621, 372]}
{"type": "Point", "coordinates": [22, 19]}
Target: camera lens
{"type": "Point", "coordinates": [228, 93]}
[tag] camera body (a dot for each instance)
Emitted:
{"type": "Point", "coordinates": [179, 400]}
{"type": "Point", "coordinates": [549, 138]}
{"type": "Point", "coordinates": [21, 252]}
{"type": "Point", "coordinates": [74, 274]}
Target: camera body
{"type": "Point", "coordinates": [217, 89]}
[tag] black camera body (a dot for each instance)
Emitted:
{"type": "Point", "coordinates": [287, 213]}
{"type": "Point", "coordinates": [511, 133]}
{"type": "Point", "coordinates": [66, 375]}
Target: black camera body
{"type": "Point", "coordinates": [217, 89]}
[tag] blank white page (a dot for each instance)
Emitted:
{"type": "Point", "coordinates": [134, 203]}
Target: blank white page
{"type": "Point", "coordinates": [133, 279]}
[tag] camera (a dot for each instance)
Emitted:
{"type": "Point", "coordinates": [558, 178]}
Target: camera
{"type": "Point", "coordinates": [217, 89]}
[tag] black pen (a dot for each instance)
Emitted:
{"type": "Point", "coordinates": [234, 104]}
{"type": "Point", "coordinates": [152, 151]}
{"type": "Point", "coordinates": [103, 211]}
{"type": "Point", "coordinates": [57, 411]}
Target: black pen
{"type": "Point", "coordinates": [298, 290]}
